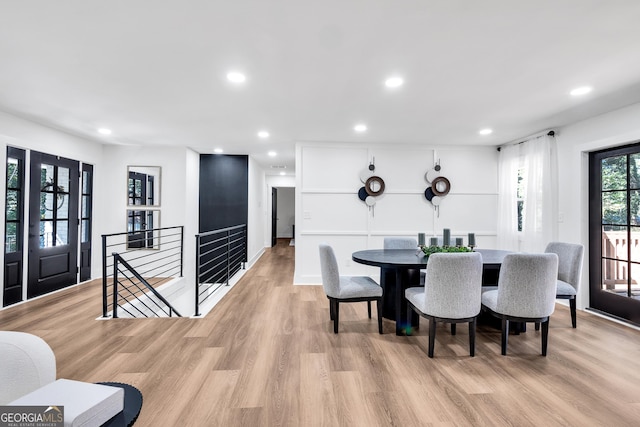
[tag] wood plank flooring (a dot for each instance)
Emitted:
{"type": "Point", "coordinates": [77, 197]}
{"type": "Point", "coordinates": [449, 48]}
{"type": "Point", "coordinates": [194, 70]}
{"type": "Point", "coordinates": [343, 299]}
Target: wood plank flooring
{"type": "Point", "coordinates": [266, 356]}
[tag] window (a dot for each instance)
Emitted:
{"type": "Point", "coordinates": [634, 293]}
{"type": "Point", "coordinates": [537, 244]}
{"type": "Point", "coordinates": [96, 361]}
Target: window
{"type": "Point", "coordinates": [13, 212]}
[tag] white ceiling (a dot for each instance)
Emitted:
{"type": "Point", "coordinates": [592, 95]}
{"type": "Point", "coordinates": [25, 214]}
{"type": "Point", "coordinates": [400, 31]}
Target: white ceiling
{"type": "Point", "coordinates": [154, 71]}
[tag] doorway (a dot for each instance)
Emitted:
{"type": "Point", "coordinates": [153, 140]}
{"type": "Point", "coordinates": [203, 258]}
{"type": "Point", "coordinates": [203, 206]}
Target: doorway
{"type": "Point", "coordinates": [614, 232]}
{"type": "Point", "coordinates": [53, 224]}
{"type": "Point", "coordinates": [282, 214]}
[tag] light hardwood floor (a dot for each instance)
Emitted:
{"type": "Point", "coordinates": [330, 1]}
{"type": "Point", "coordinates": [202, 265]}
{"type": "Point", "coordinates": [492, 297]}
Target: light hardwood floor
{"type": "Point", "coordinates": [266, 355]}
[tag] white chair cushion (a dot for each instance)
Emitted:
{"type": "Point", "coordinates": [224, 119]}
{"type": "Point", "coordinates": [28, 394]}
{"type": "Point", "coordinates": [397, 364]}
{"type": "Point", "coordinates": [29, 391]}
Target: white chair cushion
{"type": "Point", "coordinates": [416, 297]}
{"type": "Point", "coordinates": [358, 287]}
{"type": "Point", "coordinates": [563, 288]}
{"type": "Point", "coordinates": [490, 298]}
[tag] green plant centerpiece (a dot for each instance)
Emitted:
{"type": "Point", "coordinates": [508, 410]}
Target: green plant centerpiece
{"type": "Point", "coordinates": [428, 250]}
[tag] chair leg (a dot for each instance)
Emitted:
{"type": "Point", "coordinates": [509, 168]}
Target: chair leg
{"type": "Point", "coordinates": [331, 309]}
{"type": "Point", "coordinates": [453, 329]}
{"type": "Point", "coordinates": [505, 335]}
{"type": "Point", "coordinates": [432, 336]}
{"type": "Point", "coordinates": [545, 336]}
{"type": "Point", "coordinates": [537, 326]}
{"type": "Point", "coordinates": [472, 337]}
{"type": "Point", "coordinates": [379, 306]}
{"type": "Point", "coordinates": [369, 308]}
{"type": "Point", "coordinates": [336, 315]}
{"type": "Point", "coordinates": [572, 305]}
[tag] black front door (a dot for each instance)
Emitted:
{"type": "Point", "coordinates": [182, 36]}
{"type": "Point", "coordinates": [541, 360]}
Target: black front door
{"type": "Point", "coordinates": [53, 224]}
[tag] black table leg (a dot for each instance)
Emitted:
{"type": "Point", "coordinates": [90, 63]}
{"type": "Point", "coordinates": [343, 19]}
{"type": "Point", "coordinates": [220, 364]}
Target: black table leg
{"type": "Point", "coordinates": [404, 279]}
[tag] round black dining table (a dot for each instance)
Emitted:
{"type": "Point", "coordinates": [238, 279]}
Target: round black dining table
{"type": "Point", "coordinates": [400, 269]}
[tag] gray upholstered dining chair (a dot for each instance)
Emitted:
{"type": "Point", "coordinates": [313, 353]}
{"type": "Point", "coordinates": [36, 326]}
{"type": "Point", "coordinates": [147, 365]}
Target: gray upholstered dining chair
{"type": "Point", "coordinates": [403, 243]}
{"type": "Point", "coordinates": [570, 256]}
{"type": "Point", "coordinates": [400, 243]}
{"type": "Point", "coordinates": [346, 288]}
{"type": "Point", "coordinates": [451, 293]}
{"type": "Point", "coordinates": [526, 293]}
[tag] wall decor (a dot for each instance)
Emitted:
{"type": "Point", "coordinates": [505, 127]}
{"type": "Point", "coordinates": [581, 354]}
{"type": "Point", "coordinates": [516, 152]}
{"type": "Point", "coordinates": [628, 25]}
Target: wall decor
{"type": "Point", "coordinates": [373, 185]}
{"type": "Point", "coordinates": [440, 187]}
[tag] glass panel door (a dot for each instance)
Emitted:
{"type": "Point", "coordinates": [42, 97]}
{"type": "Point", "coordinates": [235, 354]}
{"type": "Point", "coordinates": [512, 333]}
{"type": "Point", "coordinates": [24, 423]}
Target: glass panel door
{"type": "Point", "coordinates": [53, 223]}
{"type": "Point", "coordinates": [614, 232]}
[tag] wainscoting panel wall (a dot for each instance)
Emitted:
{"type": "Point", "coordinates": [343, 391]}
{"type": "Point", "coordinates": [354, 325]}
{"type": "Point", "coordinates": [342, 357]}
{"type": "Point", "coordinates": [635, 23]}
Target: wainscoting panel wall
{"type": "Point", "coordinates": [332, 167]}
{"type": "Point", "coordinates": [328, 208]}
{"type": "Point", "coordinates": [333, 211]}
{"type": "Point", "coordinates": [408, 213]}
{"type": "Point", "coordinates": [414, 163]}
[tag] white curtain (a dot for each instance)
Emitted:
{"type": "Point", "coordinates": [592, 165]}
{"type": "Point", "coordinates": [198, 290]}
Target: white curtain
{"type": "Point", "coordinates": [508, 165]}
{"type": "Point", "coordinates": [537, 158]}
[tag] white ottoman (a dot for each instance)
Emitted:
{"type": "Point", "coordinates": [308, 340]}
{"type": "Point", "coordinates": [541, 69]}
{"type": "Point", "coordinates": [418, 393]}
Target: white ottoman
{"type": "Point", "coordinates": [85, 404]}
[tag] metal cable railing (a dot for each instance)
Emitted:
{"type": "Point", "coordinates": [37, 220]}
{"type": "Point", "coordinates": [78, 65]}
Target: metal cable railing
{"type": "Point", "coordinates": [142, 287]}
{"type": "Point", "coordinates": [219, 255]}
{"type": "Point", "coordinates": [155, 255]}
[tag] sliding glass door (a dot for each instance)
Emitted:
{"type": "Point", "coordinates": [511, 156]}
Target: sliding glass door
{"type": "Point", "coordinates": [614, 232]}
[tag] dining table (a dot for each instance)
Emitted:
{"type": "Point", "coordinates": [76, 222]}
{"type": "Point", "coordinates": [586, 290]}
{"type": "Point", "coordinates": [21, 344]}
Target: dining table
{"type": "Point", "coordinates": [400, 269]}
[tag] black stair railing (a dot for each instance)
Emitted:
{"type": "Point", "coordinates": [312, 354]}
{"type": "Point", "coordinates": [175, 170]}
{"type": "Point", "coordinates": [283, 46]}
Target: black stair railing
{"type": "Point", "coordinates": [156, 255]}
{"type": "Point", "coordinates": [130, 289]}
{"type": "Point", "coordinates": [219, 255]}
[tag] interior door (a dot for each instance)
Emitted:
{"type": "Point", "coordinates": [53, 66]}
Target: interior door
{"type": "Point", "coordinates": [53, 224]}
{"type": "Point", "coordinates": [274, 216]}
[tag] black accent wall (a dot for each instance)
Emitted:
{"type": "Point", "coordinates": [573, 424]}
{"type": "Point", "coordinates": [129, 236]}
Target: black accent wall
{"type": "Point", "coordinates": [224, 189]}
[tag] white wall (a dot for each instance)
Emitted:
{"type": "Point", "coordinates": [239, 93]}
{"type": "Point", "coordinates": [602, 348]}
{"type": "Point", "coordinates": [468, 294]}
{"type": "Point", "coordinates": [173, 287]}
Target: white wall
{"type": "Point", "coordinates": [256, 204]}
{"type": "Point", "coordinates": [179, 194]}
{"type": "Point", "coordinates": [329, 210]}
{"type": "Point", "coordinates": [286, 212]}
{"type": "Point", "coordinates": [615, 128]}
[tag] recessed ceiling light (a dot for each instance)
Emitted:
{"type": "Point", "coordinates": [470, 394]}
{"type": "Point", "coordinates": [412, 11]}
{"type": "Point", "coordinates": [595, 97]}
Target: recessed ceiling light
{"type": "Point", "coordinates": [580, 91]}
{"type": "Point", "coordinates": [236, 77]}
{"type": "Point", "coordinates": [360, 128]}
{"type": "Point", "coordinates": [104, 131]}
{"type": "Point", "coordinates": [283, 173]}
{"type": "Point", "coordinates": [218, 150]}
{"type": "Point", "coordinates": [394, 82]}
{"type": "Point", "coordinates": [486, 131]}
{"type": "Point", "coordinates": [263, 134]}
{"type": "Point", "coordinates": [272, 153]}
